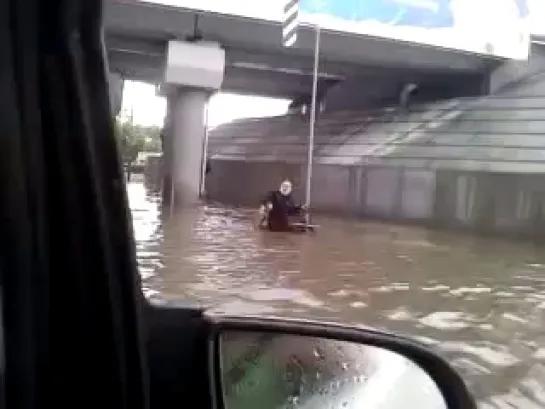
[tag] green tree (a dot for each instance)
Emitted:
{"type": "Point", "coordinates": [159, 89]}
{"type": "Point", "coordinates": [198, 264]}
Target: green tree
{"type": "Point", "coordinates": [152, 137]}
{"type": "Point", "coordinates": [134, 138]}
{"type": "Point", "coordinates": [131, 141]}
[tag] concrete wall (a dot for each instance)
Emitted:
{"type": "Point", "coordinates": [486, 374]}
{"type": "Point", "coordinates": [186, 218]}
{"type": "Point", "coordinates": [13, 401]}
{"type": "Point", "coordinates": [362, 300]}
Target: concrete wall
{"type": "Point", "coordinates": [245, 183]}
{"type": "Point", "coordinates": [153, 171]}
{"type": "Point", "coordinates": [483, 202]}
{"type": "Point", "coordinates": [510, 73]}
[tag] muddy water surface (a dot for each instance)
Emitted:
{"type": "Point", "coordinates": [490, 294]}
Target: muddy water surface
{"type": "Point", "coordinates": [481, 302]}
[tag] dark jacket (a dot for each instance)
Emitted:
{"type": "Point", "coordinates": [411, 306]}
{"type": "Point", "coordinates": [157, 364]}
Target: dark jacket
{"type": "Point", "coordinates": [283, 206]}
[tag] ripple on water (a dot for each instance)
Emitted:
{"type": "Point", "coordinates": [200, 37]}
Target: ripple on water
{"type": "Point", "coordinates": [437, 287]}
{"type": "Point", "coordinates": [286, 294]}
{"type": "Point", "coordinates": [400, 314]}
{"type": "Point", "coordinates": [470, 290]}
{"type": "Point", "coordinates": [239, 307]}
{"type": "Point", "coordinates": [390, 288]}
{"type": "Point", "coordinates": [495, 356]}
{"type": "Point", "coordinates": [513, 317]}
{"type": "Point", "coordinates": [447, 320]}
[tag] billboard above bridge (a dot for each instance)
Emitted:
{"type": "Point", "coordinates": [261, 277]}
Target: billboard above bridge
{"type": "Point", "coordinates": [537, 13]}
{"type": "Point", "coordinates": [494, 27]}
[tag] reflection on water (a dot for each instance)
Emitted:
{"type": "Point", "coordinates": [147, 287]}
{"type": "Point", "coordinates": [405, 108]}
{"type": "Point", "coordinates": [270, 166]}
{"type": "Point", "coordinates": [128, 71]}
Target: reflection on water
{"type": "Point", "coordinates": [480, 301]}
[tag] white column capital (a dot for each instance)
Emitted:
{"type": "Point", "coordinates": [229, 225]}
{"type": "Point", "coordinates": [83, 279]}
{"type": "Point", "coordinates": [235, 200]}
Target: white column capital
{"type": "Point", "coordinates": [194, 65]}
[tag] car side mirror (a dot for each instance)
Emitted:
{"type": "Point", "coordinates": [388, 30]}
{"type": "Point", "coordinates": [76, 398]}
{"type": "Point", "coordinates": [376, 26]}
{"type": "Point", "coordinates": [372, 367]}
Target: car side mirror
{"type": "Point", "coordinates": [264, 363]}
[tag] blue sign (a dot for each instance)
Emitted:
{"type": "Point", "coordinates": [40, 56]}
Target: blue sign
{"type": "Point", "coordinates": [415, 13]}
{"type": "Point", "coordinates": [419, 13]}
{"type": "Point", "coordinates": [524, 10]}
{"type": "Point", "coordinates": [496, 27]}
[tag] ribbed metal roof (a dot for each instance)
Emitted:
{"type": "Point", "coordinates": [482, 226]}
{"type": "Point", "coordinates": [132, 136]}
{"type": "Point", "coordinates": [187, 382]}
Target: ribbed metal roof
{"type": "Point", "coordinates": [502, 133]}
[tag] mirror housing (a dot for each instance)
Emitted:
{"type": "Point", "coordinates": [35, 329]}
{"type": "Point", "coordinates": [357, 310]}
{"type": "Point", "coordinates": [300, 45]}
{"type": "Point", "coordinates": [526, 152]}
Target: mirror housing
{"type": "Point", "coordinates": [371, 344]}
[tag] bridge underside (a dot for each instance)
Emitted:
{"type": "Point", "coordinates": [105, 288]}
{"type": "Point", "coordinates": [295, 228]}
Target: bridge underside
{"type": "Point", "coordinates": [241, 80]}
{"type": "Point", "coordinates": [256, 63]}
{"type": "Point", "coordinates": [254, 81]}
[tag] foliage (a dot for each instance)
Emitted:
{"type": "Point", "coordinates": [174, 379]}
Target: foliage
{"type": "Point", "coordinates": [133, 138]}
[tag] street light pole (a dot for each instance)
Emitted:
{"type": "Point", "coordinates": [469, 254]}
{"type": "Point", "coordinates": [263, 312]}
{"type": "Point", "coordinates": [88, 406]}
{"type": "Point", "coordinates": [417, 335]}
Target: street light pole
{"type": "Point", "coordinates": [205, 150]}
{"type": "Point", "coordinates": [312, 122]}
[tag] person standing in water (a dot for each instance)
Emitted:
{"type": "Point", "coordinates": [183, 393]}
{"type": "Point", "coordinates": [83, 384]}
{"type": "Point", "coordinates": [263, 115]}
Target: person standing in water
{"type": "Point", "coordinates": [278, 206]}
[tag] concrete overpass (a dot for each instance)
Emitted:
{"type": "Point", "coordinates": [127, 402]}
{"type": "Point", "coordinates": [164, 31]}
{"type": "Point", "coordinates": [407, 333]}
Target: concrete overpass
{"type": "Point", "coordinates": [355, 71]}
{"type": "Point", "coordinates": [256, 62]}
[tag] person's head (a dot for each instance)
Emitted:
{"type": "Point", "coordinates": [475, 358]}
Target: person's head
{"type": "Point", "coordinates": [285, 187]}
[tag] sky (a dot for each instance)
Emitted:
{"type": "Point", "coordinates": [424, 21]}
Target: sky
{"type": "Point", "coordinates": [149, 109]}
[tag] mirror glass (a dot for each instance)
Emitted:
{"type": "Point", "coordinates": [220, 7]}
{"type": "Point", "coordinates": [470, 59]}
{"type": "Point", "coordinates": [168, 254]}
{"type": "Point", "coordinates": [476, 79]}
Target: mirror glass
{"type": "Point", "coordinates": [274, 371]}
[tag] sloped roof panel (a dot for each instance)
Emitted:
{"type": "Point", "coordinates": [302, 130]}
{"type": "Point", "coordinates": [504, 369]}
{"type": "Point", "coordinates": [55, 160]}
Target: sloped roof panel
{"type": "Point", "coordinates": [503, 133]}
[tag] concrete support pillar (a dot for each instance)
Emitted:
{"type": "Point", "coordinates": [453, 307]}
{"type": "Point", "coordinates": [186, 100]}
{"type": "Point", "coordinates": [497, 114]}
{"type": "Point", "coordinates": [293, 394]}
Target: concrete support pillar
{"type": "Point", "coordinates": [115, 85]}
{"type": "Point", "coordinates": [193, 71]}
{"type": "Point", "coordinates": [166, 136]}
{"type": "Point", "coordinates": [188, 132]}
{"type": "Point", "coordinates": [511, 72]}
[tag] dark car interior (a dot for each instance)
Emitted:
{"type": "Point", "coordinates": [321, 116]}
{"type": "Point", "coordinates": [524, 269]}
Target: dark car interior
{"type": "Point", "coordinates": [72, 304]}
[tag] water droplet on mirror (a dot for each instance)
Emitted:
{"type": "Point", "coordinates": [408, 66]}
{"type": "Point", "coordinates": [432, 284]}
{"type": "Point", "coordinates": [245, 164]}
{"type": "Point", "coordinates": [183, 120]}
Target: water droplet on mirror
{"type": "Point", "coordinates": [293, 400]}
{"type": "Point", "coordinates": [318, 353]}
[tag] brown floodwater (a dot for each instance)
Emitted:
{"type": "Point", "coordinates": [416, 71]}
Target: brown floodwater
{"type": "Point", "coordinates": [479, 301]}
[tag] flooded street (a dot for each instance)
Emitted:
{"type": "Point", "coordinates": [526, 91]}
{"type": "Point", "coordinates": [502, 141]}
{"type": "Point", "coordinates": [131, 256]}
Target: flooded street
{"type": "Point", "coordinates": [480, 301]}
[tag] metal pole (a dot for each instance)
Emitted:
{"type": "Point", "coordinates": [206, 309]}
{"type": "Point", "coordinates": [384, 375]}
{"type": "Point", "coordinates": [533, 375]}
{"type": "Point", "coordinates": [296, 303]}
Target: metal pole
{"type": "Point", "coordinates": [313, 114]}
{"type": "Point", "coordinates": [204, 150]}
{"type": "Point", "coordinates": [169, 136]}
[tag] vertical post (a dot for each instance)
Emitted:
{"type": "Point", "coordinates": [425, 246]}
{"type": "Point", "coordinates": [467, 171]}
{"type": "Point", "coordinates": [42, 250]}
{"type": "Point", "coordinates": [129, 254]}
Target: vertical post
{"type": "Point", "coordinates": [188, 144]}
{"type": "Point", "coordinates": [172, 198]}
{"type": "Point", "coordinates": [168, 153]}
{"type": "Point", "coordinates": [313, 114]}
{"type": "Point", "coordinates": [204, 150]}
{"type": "Point", "coordinates": [130, 162]}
